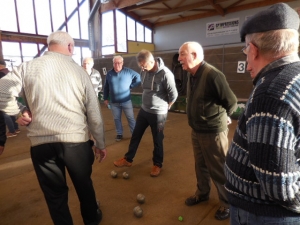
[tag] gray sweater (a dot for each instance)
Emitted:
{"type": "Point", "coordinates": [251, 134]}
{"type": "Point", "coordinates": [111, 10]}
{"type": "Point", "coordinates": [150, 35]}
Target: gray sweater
{"type": "Point", "coordinates": [60, 96]}
{"type": "Point", "coordinates": [159, 89]}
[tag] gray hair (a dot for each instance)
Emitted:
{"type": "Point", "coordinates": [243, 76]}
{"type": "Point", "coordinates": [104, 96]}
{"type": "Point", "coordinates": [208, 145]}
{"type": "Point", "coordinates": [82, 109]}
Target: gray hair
{"type": "Point", "coordinates": [144, 56]}
{"type": "Point", "coordinates": [118, 57]}
{"type": "Point", "coordinates": [275, 43]}
{"type": "Point", "coordinates": [60, 38]}
{"type": "Point", "coordinates": [88, 58]}
{"type": "Point", "coordinates": [195, 47]}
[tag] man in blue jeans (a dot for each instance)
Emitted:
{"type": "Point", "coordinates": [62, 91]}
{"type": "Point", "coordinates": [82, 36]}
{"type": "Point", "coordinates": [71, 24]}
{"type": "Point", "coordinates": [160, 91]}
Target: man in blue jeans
{"type": "Point", "coordinates": [118, 83]}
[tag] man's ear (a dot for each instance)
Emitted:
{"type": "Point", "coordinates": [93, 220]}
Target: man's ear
{"type": "Point", "coordinates": [194, 54]}
{"type": "Point", "coordinates": [70, 49]}
{"type": "Point", "coordinates": [253, 50]}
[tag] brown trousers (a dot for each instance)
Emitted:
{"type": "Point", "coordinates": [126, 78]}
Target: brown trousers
{"type": "Point", "coordinates": [210, 150]}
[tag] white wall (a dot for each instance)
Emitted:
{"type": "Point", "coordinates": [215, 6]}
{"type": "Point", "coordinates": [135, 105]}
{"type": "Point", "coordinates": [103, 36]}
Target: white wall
{"type": "Point", "coordinates": [171, 37]}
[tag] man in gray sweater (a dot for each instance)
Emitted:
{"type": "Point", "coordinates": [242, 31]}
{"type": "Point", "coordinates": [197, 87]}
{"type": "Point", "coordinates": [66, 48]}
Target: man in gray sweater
{"type": "Point", "coordinates": [159, 94]}
{"type": "Point", "coordinates": [63, 110]}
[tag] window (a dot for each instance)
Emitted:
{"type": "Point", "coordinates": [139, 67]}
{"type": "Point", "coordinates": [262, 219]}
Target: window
{"type": "Point", "coordinates": [148, 35]}
{"type": "Point", "coordinates": [12, 53]}
{"type": "Point", "coordinates": [116, 25]}
{"type": "Point", "coordinates": [29, 51]}
{"type": "Point", "coordinates": [41, 17]}
{"type": "Point", "coordinates": [26, 16]}
{"type": "Point", "coordinates": [131, 29]}
{"type": "Point", "coordinates": [8, 19]}
{"type": "Point", "coordinates": [108, 40]}
{"type": "Point", "coordinates": [121, 32]}
{"type": "Point", "coordinates": [139, 32]}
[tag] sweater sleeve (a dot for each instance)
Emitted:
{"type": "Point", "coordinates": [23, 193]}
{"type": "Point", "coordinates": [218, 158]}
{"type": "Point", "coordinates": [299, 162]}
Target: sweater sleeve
{"type": "Point", "coordinates": [170, 86]}
{"type": "Point", "coordinates": [274, 145]}
{"type": "Point", "coordinates": [224, 93]}
{"type": "Point", "coordinates": [136, 79]}
{"type": "Point", "coordinates": [94, 115]}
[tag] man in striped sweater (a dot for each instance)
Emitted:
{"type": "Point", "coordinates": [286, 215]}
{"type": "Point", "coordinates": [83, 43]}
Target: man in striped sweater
{"type": "Point", "coordinates": [63, 110]}
{"type": "Point", "coordinates": [262, 165]}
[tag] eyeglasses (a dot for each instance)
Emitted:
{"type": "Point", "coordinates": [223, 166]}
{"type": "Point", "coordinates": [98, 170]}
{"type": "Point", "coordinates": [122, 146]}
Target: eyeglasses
{"type": "Point", "coordinates": [118, 63]}
{"type": "Point", "coordinates": [244, 49]}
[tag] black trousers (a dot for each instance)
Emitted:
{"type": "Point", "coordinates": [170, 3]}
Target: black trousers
{"type": "Point", "coordinates": [157, 124]}
{"type": "Point", "coordinates": [50, 161]}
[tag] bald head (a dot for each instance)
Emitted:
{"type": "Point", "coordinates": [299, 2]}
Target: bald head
{"type": "Point", "coordinates": [190, 56]}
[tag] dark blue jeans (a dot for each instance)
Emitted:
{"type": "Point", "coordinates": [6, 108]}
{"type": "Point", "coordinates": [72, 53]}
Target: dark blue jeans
{"type": "Point", "coordinates": [49, 161]}
{"type": "Point", "coordinates": [11, 123]}
{"type": "Point", "coordinates": [242, 217]}
{"type": "Point", "coordinates": [157, 124]}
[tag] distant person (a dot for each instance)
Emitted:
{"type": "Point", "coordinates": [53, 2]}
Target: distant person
{"type": "Point", "coordinates": [88, 64]}
{"type": "Point", "coordinates": [2, 132]}
{"type": "Point", "coordinates": [63, 110]}
{"type": "Point", "coordinates": [210, 102]}
{"type": "Point", "coordinates": [10, 121]}
{"type": "Point", "coordinates": [262, 165]}
{"type": "Point", "coordinates": [13, 127]}
{"type": "Point", "coordinates": [159, 94]}
{"type": "Point", "coordinates": [119, 81]}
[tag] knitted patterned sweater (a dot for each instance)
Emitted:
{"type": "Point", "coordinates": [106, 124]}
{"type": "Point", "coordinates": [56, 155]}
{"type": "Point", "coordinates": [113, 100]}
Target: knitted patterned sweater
{"type": "Point", "coordinates": [61, 99]}
{"type": "Point", "coordinates": [262, 165]}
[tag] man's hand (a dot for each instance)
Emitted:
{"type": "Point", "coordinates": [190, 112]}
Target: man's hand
{"type": "Point", "coordinates": [24, 119]}
{"type": "Point", "coordinates": [106, 102]}
{"type": "Point", "coordinates": [1, 149]}
{"type": "Point", "coordinates": [100, 154]}
{"type": "Point", "coordinates": [228, 120]}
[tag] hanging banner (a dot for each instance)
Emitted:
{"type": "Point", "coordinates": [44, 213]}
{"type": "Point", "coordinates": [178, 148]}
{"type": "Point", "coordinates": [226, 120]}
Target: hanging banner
{"type": "Point", "coordinates": [220, 28]}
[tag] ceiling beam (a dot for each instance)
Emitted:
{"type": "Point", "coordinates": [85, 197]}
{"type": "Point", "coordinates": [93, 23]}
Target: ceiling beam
{"type": "Point", "coordinates": [234, 4]}
{"type": "Point", "coordinates": [254, 5]}
{"type": "Point", "coordinates": [141, 6]}
{"type": "Point", "coordinates": [117, 4]}
{"type": "Point", "coordinates": [217, 7]}
{"type": "Point", "coordinates": [227, 11]}
{"type": "Point", "coordinates": [32, 38]}
{"type": "Point", "coordinates": [186, 19]}
{"type": "Point", "coordinates": [137, 18]}
{"type": "Point", "coordinates": [174, 11]}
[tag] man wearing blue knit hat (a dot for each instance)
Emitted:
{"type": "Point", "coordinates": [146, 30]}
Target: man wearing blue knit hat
{"type": "Point", "coordinates": [262, 165]}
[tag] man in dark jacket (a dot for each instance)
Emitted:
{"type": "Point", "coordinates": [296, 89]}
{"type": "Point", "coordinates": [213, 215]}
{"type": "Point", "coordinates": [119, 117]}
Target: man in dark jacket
{"type": "Point", "coordinates": [210, 102]}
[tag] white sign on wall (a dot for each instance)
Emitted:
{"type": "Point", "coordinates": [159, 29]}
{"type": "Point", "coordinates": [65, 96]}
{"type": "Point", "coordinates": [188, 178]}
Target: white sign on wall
{"type": "Point", "coordinates": [241, 67]}
{"type": "Point", "coordinates": [225, 27]}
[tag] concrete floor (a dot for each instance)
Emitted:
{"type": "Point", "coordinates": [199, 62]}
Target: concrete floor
{"type": "Point", "coordinates": [22, 201]}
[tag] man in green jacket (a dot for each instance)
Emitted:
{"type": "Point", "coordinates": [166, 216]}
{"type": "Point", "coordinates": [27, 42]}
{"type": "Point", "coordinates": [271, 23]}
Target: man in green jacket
{"type": "Point", "coordinates": [210, 102]}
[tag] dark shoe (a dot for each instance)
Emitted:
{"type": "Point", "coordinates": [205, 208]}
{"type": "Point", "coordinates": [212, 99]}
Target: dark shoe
{"type": "Point", "coordinates": [155, 171]}
{"type": "Point", "coordinates": [119, 137]}
{"type": "Point", "coordinates": [222, 213]}
{"type": "Point", "coordinates": [99, 216]}
{"type": "Point", "coordinates": [9, 135]}
{"type": "Point", "coordinates": [122, 162]}
{"type": "Point", "coordinates": [195, 199]}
